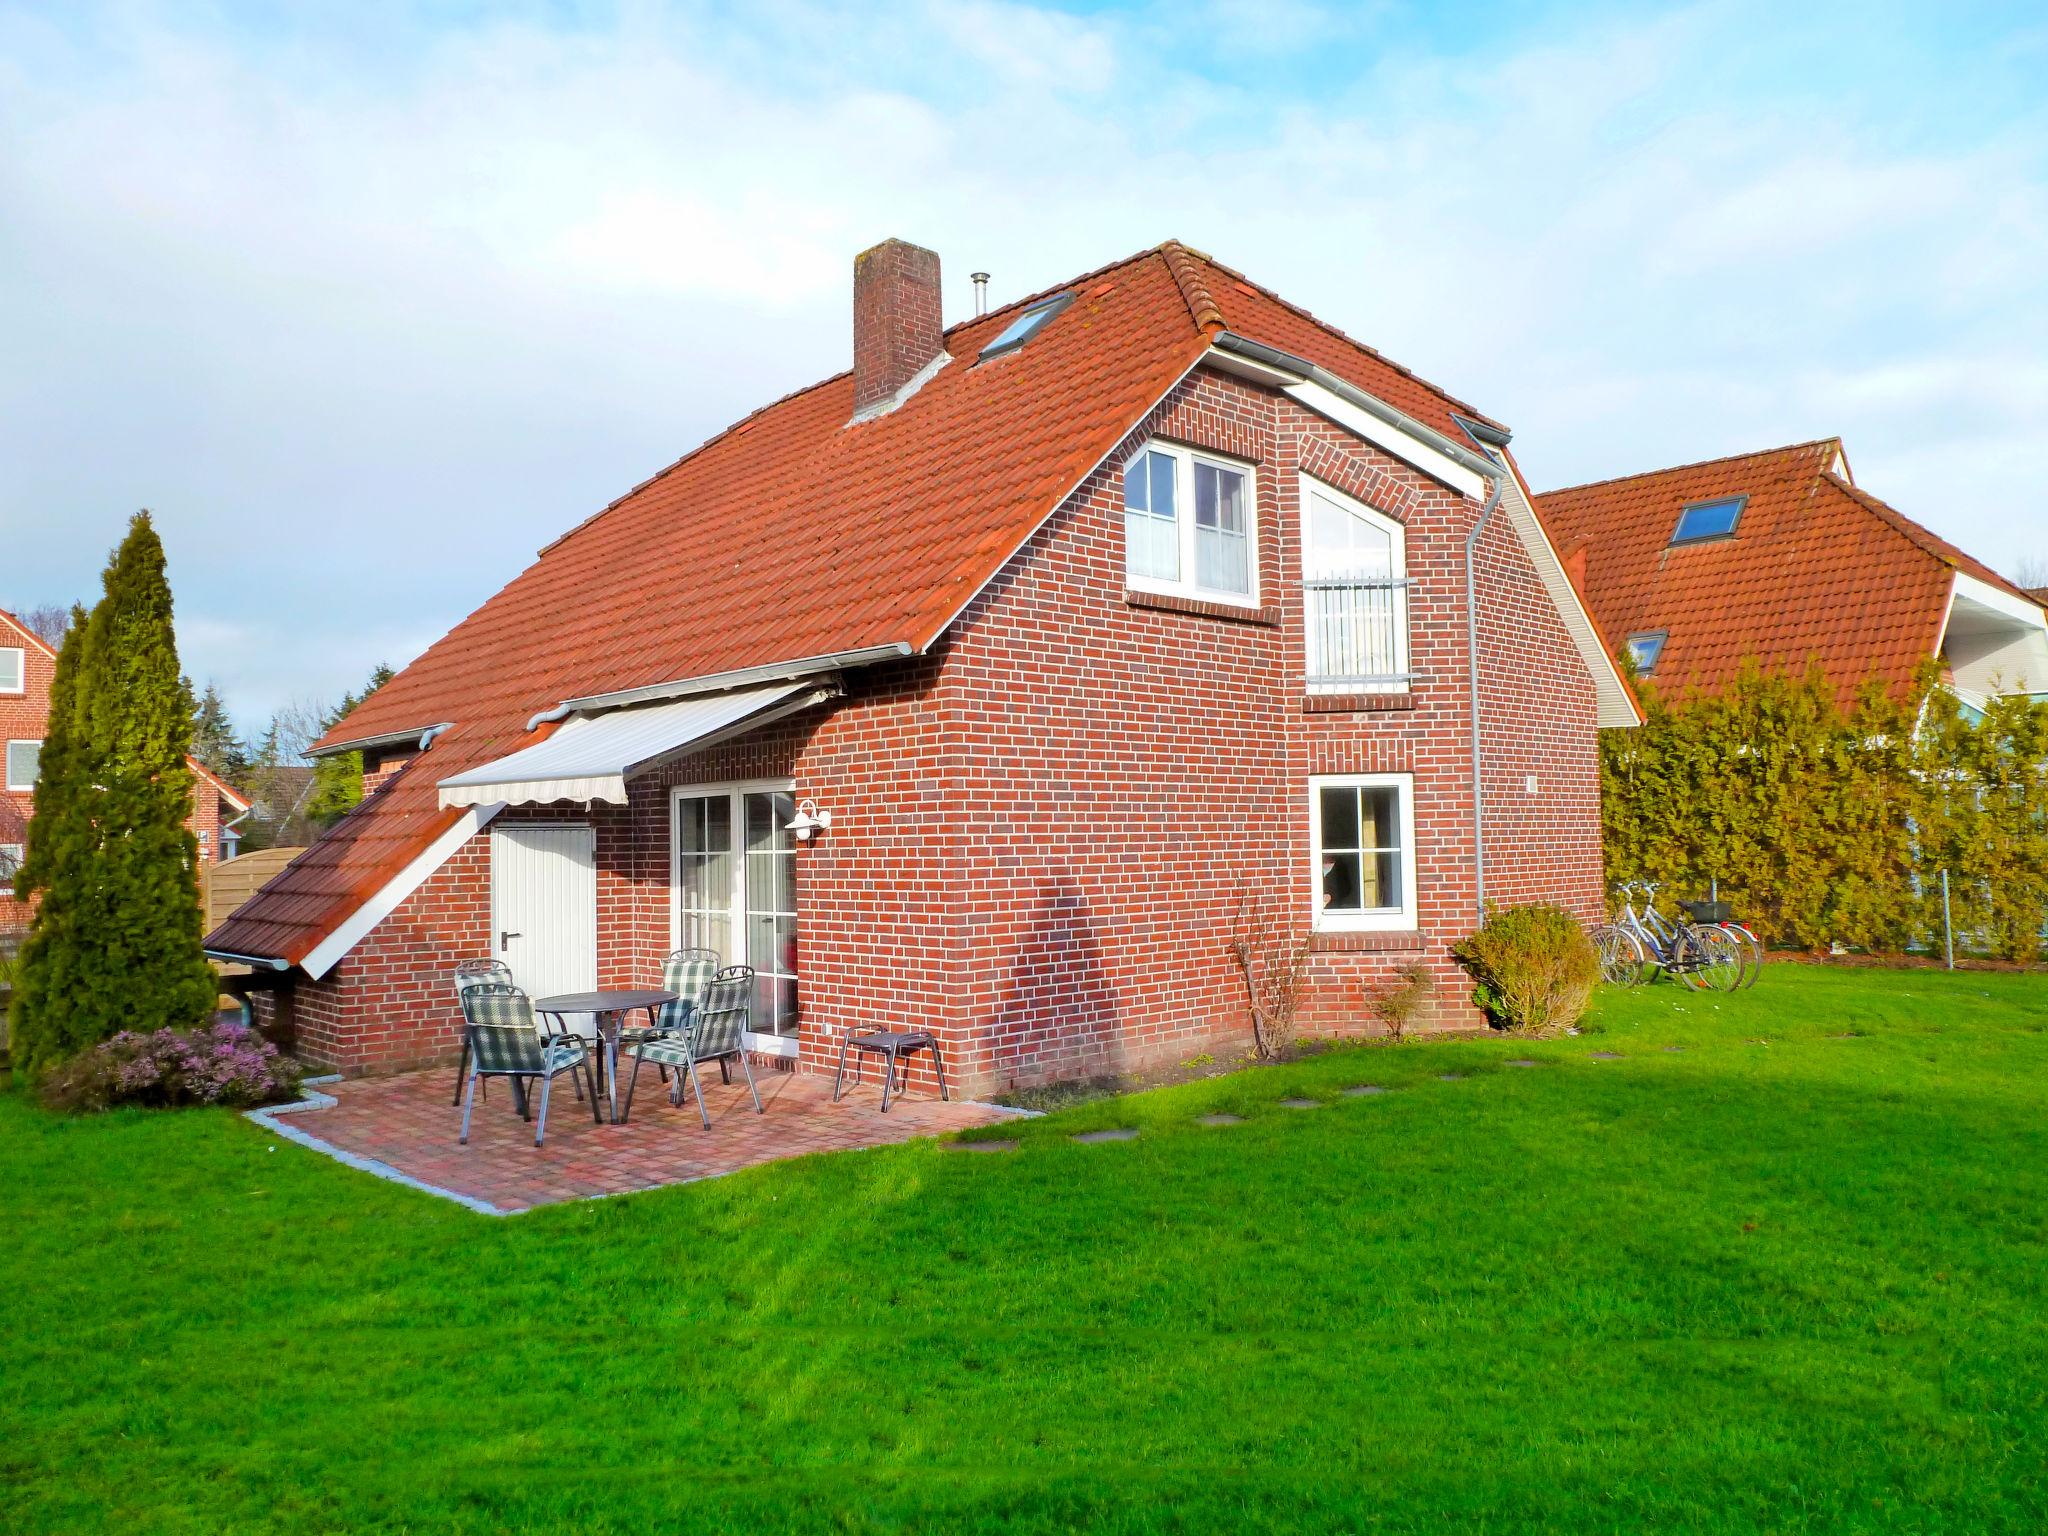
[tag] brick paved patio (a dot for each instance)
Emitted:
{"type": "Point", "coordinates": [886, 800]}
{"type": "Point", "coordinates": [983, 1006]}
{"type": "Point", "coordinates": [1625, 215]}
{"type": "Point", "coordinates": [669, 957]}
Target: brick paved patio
{"type": "Point", "coordinates": [406, 1124]}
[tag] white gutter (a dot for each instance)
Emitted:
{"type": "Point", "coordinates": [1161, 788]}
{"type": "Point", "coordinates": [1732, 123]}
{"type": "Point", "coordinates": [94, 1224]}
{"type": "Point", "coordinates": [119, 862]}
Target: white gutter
{"type": "Point", "coordinates": [720, 682]}
{"type": "Point", "coordinates": [420, 736]}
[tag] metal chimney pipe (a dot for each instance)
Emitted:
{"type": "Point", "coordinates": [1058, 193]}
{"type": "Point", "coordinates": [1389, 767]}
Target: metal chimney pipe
{"type": "Point", "coordinates": [980, 293]}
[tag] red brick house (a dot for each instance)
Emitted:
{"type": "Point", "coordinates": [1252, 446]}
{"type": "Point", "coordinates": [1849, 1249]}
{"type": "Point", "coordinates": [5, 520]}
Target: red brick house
{"type": "Point", "coordinates": [1780, 555]}
{"type": "Point", "coordinates": [977, 689]}
{"type": "Point", "coordinates": [26, 667]}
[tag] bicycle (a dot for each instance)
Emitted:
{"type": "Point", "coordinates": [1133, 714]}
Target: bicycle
{"type": "Point", "coordinates": [1636, 945]}
{"type": "Point", "coordinates": [1715, 914]}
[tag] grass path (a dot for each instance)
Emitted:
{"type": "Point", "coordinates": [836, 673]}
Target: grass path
{"type": "Point", "coordinates": [1790, 1277]}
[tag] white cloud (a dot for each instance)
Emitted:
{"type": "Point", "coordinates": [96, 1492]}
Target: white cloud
{"type": "Point", "coordinates": [369, 316]}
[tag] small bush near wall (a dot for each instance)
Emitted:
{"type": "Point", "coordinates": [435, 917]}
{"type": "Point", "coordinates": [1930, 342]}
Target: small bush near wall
{"type": "Point", "coordinates": [1534, 966]}
{"type": "Point", "coordinates": [226, 1064]}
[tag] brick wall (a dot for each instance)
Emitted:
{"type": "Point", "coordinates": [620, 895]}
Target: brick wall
{"type": "Point", "coordinates": [1043, 832]}
{"type": "Point", "coordinates": [24, 716]}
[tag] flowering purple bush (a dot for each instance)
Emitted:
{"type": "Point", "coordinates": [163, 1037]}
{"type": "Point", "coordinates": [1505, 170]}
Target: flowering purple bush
{"type": "Point", "coordinates": [222, 1064]}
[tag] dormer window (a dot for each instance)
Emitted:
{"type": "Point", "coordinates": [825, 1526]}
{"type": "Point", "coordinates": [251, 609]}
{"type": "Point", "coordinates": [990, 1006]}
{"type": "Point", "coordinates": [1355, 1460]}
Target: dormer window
{"type": "Point", "coordinates": [1025, 326]}
{"type": "Point", "coordinates": [1644, 649]}
{"type": "Point", "coordinates": [1705, 520]}
{"type": "Point", "coordinates": [1189, 528]}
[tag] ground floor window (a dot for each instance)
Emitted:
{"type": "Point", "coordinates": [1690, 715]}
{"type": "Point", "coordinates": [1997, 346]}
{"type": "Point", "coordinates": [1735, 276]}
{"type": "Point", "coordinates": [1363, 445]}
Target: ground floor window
{"type": "Point", "coordinates": [734, 885]}
{"type": "Point", "coordinates": [1362, 850]}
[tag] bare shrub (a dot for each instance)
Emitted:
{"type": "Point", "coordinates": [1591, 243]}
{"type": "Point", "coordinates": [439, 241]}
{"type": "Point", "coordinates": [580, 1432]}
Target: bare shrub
{"type": "Point", "coordinates": [1273, 961]}
{"type": "Point", "coordinates": [1397, 1004]}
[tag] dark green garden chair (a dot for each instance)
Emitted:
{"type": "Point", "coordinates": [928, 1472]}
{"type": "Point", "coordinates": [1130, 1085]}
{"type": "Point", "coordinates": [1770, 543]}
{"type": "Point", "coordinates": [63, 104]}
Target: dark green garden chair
{"type": "Point", "coordinates": [504, 1040]}
{"type": "Point", "coordinates": [716, 1032]}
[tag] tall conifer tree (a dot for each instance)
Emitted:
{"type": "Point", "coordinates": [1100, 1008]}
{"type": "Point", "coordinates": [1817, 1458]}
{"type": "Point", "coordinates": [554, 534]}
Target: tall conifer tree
{"type": "Point", "coordinates": [117, 939]}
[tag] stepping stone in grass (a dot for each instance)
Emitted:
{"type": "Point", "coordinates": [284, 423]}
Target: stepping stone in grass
{"type": "Point", "coordinates": [1450, 1077]}
{"type": "Point", "coordinates": [977, 1146]}
{"type": "Point", "coordinates": [1522, 1061]}
{"type": "Point", "coordinates": [1222, 1119]}
{"type": "Point", "coordinates": [1360, 1090]}
{"type": "Point", "coordinates": [1674, 1048]}
{"type": "Point", "coordinates": [1301, 1103]}
{"type": "Point", "coordinates": [1120, 1133]}
{"type": "Point", "coordinates": [1605, 1055]}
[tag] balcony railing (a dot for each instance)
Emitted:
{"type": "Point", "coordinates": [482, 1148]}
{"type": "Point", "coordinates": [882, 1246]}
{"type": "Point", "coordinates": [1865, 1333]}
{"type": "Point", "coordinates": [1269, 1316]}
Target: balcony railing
{"type": "Point", "coordinates": [1357, 631]}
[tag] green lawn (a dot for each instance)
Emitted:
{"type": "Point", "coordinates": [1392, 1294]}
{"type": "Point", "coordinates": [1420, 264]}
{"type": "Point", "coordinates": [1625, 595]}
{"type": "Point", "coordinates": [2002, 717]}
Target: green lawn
{"type": "Point", "coordinates": [1781, 1280]}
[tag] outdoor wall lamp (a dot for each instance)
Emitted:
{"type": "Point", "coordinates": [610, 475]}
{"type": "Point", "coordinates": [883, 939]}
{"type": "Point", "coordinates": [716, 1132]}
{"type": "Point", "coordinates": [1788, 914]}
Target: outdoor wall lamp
{"type": "Point", "coordinates": [809, 819]}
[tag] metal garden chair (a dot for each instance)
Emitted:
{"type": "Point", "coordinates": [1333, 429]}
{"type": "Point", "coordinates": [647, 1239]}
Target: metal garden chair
{"type": "Point", "coordinates": [475, 973]}
{"type": "Point", "coordinates": [716, 1033]}
{"type": "Point", "coordinates": [686, 972]}
{"type": "Point", "coordinates": [505, 1041]}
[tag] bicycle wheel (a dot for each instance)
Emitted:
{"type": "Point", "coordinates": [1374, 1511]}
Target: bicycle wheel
{"type": "Point", "coordinates": [1622, 961]}
{"type": "Point", "coordinates": [1752, 952]}
{"type": "Point", "coordinates": [1723, 960]}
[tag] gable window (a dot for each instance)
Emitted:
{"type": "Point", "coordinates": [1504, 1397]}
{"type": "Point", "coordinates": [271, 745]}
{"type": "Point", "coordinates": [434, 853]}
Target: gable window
{"type": "Point", "coordinates": [1024, 327]}
{"type": "Point", "coordinates": [13, 669]}
{"type": "Point", "coordinates": [11, 855]}
{"type": "Point", "coordinates": [1189, 529]}
{"type": "Point", "coordinates": [1709, 520]}
{"type": "Point", "coordinates": [22, 760]}
{"type": "Point", "coordinates": [1362, 851]}
{"type": "Point", "coordinates": [1644, 649]}
{"type": "Point", "coordinates": [1354, 579]}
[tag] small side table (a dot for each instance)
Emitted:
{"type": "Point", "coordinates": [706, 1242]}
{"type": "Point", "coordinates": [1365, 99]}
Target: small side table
{"type": "Point", "coordinates": [892, 1046]}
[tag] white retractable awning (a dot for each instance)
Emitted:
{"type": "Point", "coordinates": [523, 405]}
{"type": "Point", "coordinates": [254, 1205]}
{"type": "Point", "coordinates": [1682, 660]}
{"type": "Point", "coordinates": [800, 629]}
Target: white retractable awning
{"type": "Point", "coordinates": [591, 759]}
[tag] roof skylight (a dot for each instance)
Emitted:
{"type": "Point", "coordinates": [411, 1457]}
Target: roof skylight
{"type": "Point", "coordinates": [1645, 648]}
{"type": "Point", "coordinates": [1025, 326]}
{"type": "Point", "coordinates": [1709, 520]}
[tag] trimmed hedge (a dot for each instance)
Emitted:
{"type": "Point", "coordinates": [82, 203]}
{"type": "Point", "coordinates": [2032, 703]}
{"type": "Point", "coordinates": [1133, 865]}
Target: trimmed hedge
{"type": "Point", "coordinates": [1825, 823]}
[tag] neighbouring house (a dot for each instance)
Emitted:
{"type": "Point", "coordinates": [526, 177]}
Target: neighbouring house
{"type": "Point", "coordinates": [1781, 556]}
{"type": "Point", "coordinates": [277, 795]}
{"type": "Point", "coordinates": [27, 665]}
{"type": "Point", "coordinates": [979, 689]}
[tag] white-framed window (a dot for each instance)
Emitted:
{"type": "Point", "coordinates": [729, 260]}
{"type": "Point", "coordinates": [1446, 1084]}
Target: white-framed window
{"type": "Point", "coordinates": [733, 888]}
{"type": "Point", "coordinates": [13, 669]}
{"type": "Point", "coordinates": [11, 855]}
{"type": "Point", "coordinates": [1362, 851]}
{"type": "Point", "coordinates": [23, 759]}
{"type": "Point", "coordinates": [1354, 585]}
{"type": "Point", "coordinates": [1645, 648]}
{"type": "Point", "coordinates": [1191, 525]}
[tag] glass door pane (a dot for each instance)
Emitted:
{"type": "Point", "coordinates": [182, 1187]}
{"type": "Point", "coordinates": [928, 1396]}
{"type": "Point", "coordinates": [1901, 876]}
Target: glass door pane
{"type": "Point", "coordinates": [770, 906]}
{"type": "Point", "coordinates": [705, 872]}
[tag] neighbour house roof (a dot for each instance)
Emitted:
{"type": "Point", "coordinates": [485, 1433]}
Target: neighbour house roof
{"type": "Point", "coordinates": [1817, 570]}
{"type": "Point", "coordinates": [792, 535]}
{"type": "Point", "coordinates": [221, 786]}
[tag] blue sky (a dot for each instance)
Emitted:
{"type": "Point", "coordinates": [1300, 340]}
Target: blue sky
{"type": "Point", "coordinates": [369, 301]}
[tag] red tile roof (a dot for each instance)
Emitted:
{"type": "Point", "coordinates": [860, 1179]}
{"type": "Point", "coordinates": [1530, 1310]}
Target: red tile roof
{"type": "Point", "coordinates": [1818, 570]}
{"type": "Point", "coordinates": [791, 535]}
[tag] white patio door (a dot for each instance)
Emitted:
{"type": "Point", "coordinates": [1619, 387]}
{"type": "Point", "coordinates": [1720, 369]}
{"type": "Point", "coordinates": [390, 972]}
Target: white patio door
{"type": "Point", "coordinates": [734, 882]}
{"type": "Point", "coordinates": [544, 905]}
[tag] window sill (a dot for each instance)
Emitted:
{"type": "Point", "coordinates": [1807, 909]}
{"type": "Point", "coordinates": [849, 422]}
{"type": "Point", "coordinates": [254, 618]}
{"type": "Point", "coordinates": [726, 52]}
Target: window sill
{"type": "Point", "coordinates": [1354, 703]}
{"type": "Point", "coordinates": [1367, 941]}
{"type": "Point", "coordinates": [1203, 608]}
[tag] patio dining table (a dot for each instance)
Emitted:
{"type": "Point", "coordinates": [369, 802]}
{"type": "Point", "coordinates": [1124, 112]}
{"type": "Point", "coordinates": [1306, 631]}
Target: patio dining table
{"type": "Point", "coordinates": [608, 1008]}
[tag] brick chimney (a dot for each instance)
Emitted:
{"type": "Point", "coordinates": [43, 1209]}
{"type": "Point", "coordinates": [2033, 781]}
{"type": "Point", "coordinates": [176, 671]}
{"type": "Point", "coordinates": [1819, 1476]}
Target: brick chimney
{"type": "Point", "coordinates": [897, 331]}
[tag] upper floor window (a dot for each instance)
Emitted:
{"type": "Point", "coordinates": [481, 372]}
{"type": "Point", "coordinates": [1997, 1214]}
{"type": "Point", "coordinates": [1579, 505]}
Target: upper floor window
{"type": "Point", "coordinates": [1644, 649]}
{"type": "Point", "coordinates": [1189, 528]}
{"type": "Point", "coordinates": [1362, 847]}
{"type": "Point", "coordinates": [1354, 580]}
{"type": "Point", "coordinates": [11, 855]}
{"type": "Point", "coordinates": [23, 758]}
{"type": "Point", "coordinates": [13, 669]}
{"type": "Point", "coordinates": [1709, 520]}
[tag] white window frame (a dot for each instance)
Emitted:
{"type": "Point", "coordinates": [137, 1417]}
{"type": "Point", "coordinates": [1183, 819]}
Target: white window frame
{"type": "Point", "coordinates": [1402, 919]}
{"type": "Point", "coordinates": [1184, 460]}
{"type": "Point", "coordinates": [11, 855]}
{"type": "Point", "coordinates": [1398, 535]}
{"type": "Point", "coordinates": [735, 790]}
{"type": "Point", "coordinates": [20, 655]}
{"type": "Point", "coordinates": [7, 765]}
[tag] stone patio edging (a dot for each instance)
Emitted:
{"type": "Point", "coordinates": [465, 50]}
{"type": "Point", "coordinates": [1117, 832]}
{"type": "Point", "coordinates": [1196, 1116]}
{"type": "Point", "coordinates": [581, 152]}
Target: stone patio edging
{"type": "Point", "coordinates": [311, 1099]}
